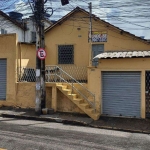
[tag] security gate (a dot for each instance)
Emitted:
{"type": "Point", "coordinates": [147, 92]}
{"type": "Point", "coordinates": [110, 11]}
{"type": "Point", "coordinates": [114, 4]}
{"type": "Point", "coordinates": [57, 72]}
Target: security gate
{"type": "Point", "coordinates": [121, 93]}
{"type": "Point", "coordinates": [147, 93]}
{"type": "Point", "coordinates": [2, 79]}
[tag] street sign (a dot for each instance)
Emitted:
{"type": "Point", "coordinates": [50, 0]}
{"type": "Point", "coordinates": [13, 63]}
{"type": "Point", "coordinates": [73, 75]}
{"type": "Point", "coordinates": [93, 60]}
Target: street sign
{"type": "Point", "coordinates": [41, 53]}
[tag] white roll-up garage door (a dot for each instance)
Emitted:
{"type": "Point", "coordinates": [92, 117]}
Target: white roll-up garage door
{"type": "Point", "coordinates": [121, 93]}
{"type": "Point", "coordinates": [3, 79]}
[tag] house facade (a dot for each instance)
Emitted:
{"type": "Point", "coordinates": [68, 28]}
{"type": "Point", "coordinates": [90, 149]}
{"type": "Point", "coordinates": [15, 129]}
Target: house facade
{"type": "Point", "coordinates": [68, 45]}
{"type": "Point", "coordinates": [9, 26]}
{"type": "Point", "coordinates": [24, 28]}
{"type": "Point", "coordinates": [106, 76]}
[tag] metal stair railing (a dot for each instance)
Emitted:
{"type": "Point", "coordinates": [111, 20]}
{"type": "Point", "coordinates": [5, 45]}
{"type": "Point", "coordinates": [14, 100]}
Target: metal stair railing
{"type": "Point", "coordinates": [56, 74]}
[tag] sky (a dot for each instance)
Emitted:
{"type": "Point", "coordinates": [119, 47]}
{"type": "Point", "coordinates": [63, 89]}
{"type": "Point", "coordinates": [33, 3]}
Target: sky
{"type": "Point", "coordinates": [130, 15]}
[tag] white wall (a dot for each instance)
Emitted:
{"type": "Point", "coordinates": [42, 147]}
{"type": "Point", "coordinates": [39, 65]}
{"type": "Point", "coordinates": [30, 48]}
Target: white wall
{"type": "Point", "coordinates": [31, 28]}
{"type": "Point", "coordinates": [11, 28]}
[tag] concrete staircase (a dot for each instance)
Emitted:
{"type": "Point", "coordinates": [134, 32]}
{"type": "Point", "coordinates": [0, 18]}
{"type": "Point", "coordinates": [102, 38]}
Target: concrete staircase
{"type": "Point", "coordinates": [80, 102]}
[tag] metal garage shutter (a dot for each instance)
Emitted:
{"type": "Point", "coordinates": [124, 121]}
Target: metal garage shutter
{"type": "Point", "coordinates": [121, 93]}
{"type": "Point", "coordinates": [2, 79]}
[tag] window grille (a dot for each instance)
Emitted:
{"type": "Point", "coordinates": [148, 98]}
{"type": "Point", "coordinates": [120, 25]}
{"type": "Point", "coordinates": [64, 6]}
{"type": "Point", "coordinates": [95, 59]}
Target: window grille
{"type": "Point", "coordinates": [65, 54]}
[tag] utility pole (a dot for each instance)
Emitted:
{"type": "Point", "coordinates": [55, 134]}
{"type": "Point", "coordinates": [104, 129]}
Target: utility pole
{"type": "Point", "coordinates": [90, 32]}
{"type": "Point", "coordinates": [40, 100]}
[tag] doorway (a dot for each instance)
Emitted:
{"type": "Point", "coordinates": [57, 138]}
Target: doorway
{"type": "Point", "coordinates": [96, 49]}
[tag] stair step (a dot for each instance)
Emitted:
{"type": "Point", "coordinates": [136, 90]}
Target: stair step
{"type": "Point", "coordinates": [68, 90]}
{"type": "Point", "coordinates": [62, 86]}
{"type": "Point", "coordinates": [73, 95]}
{"type": "Point", "coordinates": [85, 105]}
{"type": "Point", "coordinates": [78, 100]}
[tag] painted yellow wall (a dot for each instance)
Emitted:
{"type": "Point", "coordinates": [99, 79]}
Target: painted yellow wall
{"type": "Point", "coordinates": [58, 101]}
{"type": "Point", "coordinates": [27, 53]}
{"type": "Point", "coordinates": [64, 34]}
{"type": "Point", "coordinates": [117, 41]}
{"type": "Point", "coordinates": [8, 51]}
{"type": "Point", "coordinates": [75, 31]}
{"type": "Point", "coordinates": [17, 94]}
{"type": "Point", "coordinates": [25, 95]}
{"type": "Point", "coordinates": [25, 98]}
{"type": "Point", "coordinates": [125, 64]}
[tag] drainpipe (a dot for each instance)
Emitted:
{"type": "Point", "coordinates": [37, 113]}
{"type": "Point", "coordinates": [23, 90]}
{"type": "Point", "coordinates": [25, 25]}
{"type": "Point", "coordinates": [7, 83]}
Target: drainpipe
{"type": "Point", "coordinates": [20, 58]}
{"type": "Point", "coordinates": [24, 25]}
{"type": "Point", "coordinates": [90, 34]}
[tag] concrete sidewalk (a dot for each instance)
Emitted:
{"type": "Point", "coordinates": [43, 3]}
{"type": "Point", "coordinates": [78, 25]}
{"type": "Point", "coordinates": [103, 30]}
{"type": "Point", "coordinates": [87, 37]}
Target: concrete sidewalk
{"type": "Point", "coordinates": [111, 123]}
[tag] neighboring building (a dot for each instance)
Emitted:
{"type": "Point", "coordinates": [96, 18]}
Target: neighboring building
{"type": "Point", "coordinates": [113, 84]}
{"type": "Point", "coordinates": [30, 33]}
{"type": "Point", "coordinates": [9, 25]}
{"type": "Point", "coordinates": [24, 28]}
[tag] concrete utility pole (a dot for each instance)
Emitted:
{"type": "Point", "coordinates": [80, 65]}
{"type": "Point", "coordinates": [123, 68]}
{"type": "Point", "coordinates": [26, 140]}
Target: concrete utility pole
{"type": "Point", "coordinates": [40, 100]}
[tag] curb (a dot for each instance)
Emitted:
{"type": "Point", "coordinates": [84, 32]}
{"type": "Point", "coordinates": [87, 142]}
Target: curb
{"type": "Point", "coordinates": [70, 122]}
{"type": "Point", "coordinates": [49, 119]}
{"type": "Point", "coordinates": [120, 129]}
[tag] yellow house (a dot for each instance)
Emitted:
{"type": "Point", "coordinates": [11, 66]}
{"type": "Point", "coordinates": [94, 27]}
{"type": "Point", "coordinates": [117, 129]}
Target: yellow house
{"type": "Point", "coordinates": [113, 83]}
{"type": "Point", "coordinates": [12, 92]}
{"type": "Point", "coordinates": [115, 80]}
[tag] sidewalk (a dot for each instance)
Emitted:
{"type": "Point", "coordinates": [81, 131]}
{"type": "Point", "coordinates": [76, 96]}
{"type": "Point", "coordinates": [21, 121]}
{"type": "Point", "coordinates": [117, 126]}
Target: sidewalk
{"type": "Point", "coordinates": [112, 123]}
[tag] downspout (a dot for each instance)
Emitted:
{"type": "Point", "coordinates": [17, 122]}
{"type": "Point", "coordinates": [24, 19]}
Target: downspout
{"type": "Point", "coordinates": [20, 58]}
{"type": "Point", "coordinates": [90, 34]}
{"type": "Point", "coordinates": [24, 24]}
{"type": "Point", "coordinates": [24, 36]}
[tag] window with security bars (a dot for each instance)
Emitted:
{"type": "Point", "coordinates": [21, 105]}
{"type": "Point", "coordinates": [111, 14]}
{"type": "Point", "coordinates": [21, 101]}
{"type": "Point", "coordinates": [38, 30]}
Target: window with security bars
{"type": "Point", "coordinates": [65, 54]}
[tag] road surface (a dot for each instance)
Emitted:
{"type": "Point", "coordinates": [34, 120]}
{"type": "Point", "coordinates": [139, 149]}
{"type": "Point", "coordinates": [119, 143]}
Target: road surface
{"type": "Point", "coordinates": [18, 134]}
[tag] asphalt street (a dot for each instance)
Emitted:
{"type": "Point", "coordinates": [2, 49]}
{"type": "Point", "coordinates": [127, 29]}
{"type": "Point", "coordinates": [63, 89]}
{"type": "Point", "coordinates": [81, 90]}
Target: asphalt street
{"type": "Point", "coordinates": [18, 134]}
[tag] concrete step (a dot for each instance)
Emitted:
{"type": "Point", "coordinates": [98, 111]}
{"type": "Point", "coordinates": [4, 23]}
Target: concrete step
{"type": "Point", "coordinates": [85, 105]}
{"type": "Point", "coordinates": [78, 100]}
{"type": "Point", "coordinates": [74, 96]}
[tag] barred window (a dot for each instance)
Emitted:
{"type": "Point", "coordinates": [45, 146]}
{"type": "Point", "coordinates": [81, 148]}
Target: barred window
{"type": "Point", "coordinates": [65, 54]}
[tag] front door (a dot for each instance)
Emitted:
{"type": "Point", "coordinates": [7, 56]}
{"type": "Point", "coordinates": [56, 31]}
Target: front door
{"type": "Point", "coordinates": [96, 49]}
{"type": "Point", "coordinates": [147, 93]}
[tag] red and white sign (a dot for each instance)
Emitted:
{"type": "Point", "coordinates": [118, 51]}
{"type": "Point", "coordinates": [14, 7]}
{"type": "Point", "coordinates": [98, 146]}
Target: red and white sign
{"type": "Point", "coordinates": [41, 53]}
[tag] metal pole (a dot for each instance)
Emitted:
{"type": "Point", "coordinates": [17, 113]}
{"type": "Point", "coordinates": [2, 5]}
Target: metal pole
{"type": "Point", "coordinates": [40, 64]}
{"type": "Point", "coordinates": [90, 23]}
{"type": "Point", "coordinates": [90, 32]}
